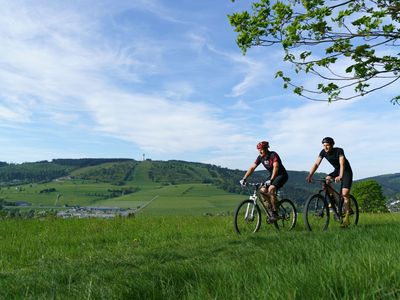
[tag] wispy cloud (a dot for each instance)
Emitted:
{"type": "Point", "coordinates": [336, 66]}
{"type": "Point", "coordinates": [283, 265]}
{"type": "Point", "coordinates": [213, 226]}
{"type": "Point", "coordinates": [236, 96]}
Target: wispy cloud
{"type": "Point", "coordinates": [157, 124]}
{"type": "Point", "coordinates": [69, 75]}
{"type": "Point", "coordinates": [254, 73]}
{"type": "Point", "coordinates": [143, 75]}
{"type": "Point", "coordinates": [298, 133]}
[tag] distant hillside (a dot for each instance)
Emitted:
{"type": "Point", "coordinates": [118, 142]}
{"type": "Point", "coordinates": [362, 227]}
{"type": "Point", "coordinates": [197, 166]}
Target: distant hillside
{"type": "Point", "coordinates": [43, 171]}
{"type": "Point", "coordinates": [126, 171]}
{"type": "Point", "coordinates": [390, 183]}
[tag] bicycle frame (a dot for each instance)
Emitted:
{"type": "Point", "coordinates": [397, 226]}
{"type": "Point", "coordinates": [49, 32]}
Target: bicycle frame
{"type": "Point", "coordinates": [335, 207]}
{"type": "Point", "coordinates": [256, 197]}
{"type": "Point", "coordinates": [248, 214]}
{"type": "Point", "coordinates": [321, 205]}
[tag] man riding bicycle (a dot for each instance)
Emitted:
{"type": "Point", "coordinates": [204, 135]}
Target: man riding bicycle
{"type": "Point", "coordinates": [342, 171]}
{"type": "Point", "coordinates": [276, 179]}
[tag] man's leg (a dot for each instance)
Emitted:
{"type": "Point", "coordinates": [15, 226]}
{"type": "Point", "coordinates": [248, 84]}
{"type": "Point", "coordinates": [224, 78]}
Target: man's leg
{"type": "Point", "coordinates": [331, 191]}
{"type": "Point", "coordinates": [346, 198]}
{"type": "Point", "coordinates": [266, 199]}
{"type": "Point", "coordinates": [272, 195]}
{"type": "Point", "coordinates": [346, 204]}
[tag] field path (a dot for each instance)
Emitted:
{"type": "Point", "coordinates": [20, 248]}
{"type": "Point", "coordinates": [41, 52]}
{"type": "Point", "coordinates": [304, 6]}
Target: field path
{"type": "Point", "coordinates": [147, 204]}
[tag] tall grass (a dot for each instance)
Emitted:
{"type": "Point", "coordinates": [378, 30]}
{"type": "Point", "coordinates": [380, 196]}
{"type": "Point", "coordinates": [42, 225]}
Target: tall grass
{"type": "Point", "coordinates": [173, 257]}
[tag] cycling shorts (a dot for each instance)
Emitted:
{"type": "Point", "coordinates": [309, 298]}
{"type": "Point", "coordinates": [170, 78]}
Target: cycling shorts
{"type": "Point", "coordinates": [280, 180]}
{"type": "Point", "coordinates": [347, 179]}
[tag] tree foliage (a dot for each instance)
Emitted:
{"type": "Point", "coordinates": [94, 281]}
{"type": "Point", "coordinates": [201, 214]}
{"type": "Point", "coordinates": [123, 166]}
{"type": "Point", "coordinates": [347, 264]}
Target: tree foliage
{"type": "Point", "coordinates": [31, 172]}
{"type": "Point", "coordinates": [43, 171]}
{"type": "Point", "coordinates": [350, 45]}
{"type": "Point", "coordinates": [369, 196]}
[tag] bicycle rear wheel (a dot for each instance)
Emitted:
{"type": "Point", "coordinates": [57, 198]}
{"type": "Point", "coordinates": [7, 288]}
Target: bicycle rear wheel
{"type": "Point", "coordinates": [354, 211]}
{"type": "Point", "coordinates": [316, 213]}
{"type": "Point", "coordinates": [287, 215]}
{"type": "Point", "coordinates": [247, 218]}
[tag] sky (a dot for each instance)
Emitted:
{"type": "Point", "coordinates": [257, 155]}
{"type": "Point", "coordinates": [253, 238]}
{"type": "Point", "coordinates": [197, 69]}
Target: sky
{"type": "Point", "coordinates": [164, 79]}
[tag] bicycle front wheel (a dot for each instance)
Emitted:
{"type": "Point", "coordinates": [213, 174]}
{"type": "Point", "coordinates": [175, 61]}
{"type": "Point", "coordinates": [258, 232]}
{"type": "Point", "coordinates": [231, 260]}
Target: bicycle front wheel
{"type": "Point", "coordinates": [316, 213]}
{"type": "Point", "coordinates": [287, 215]}
{"type": "Point", "coordinates": [247, 218]}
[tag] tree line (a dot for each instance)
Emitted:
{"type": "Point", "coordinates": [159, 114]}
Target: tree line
{"type": "Point", "coordinates": [120, 172]}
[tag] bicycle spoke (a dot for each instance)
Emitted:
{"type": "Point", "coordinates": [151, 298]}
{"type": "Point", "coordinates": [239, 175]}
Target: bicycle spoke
{"type": "Point", "coordinates": [316, 214]}
{"type": "Point", "coordinates": [247, 218]}
{"type": "Point", "coordinates": [287, 215]}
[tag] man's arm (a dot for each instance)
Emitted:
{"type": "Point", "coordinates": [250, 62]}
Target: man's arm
{"type": "Point", "coordinates": [341, 171]}
{"type": "Point", "coordinates": [250, 171]}
{"type": "Point", "coordinates": [313, 169]}
{"type": "Point", "coordinates": [275, 170]}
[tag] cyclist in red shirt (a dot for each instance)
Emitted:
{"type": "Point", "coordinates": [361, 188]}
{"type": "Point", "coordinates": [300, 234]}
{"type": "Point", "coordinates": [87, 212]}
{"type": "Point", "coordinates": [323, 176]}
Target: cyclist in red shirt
{"type": "Point", "coordinates": [276, 178]}
{"type": "Point", "coordinates": [342, 171]}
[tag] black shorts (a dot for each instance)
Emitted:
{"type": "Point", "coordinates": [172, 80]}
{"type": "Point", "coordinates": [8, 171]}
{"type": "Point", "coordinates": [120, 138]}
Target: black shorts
{"type": "Point", "coordinates": [280, 180]}
{"type": "Point", "coordinates": [347, 179]}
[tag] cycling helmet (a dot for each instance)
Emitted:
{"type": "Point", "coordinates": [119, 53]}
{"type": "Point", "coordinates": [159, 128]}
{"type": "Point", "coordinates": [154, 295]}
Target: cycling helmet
{"type": "Point", "coordinates": [263, 145]}
{"type": "Point", "coordinates": [328, 140]}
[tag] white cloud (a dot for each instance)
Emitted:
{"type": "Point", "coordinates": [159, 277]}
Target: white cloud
{"type": "Point", "coordinates": [65, 74]}
{"type": "Point", "coordinates": [179, 90]}
{"type": "Point", "coordinates": [97, 73]}
{"type": "Point", "coordinates": [12, 114]}
{"type": "Point", "coordinates": [365, 136]}
{"type": "Point", "coordinates": [160, 125]}
{"type": "Point", "coordinates": [254, 73]}
{"type": "Point", "coordinates": [241, 105]}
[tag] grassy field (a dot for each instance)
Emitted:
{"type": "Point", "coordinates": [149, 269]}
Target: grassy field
{"type": "Point", "coordinates": [196, 257]}
{"type": "Point", "coordinates": [183, 199]}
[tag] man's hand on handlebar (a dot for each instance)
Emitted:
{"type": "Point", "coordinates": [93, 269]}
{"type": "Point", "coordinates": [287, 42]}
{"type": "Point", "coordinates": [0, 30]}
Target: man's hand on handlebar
{"type": "Point", "coordinates": [243, 182]}
{"type": "Point", "coordinates": [309, 178]}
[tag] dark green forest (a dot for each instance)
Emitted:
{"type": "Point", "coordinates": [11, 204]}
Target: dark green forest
{"type": "Point", "coordinates": [44, 171]}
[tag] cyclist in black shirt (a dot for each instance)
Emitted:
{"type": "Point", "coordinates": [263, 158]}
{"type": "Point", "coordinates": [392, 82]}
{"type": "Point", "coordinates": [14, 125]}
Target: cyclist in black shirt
{"type": "Point", "coordinates": [276, 178]}
{"type": "Point", "coordinates": [342, 170]}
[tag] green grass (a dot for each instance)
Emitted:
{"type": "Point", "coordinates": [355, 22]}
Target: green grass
{"type": "Point", "coordinates": [183, 199]}
{"type": "Point", "coordinates": [196, 257]}
{"type": "Point", "coordinates": [72, 192]}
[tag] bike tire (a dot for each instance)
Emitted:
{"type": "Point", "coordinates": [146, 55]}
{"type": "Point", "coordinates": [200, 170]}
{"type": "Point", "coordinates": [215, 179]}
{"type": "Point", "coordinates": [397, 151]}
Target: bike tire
{"type": "Point", "coordinates": [287, 215]}
{"type": "Point", "coordinates": [353, 218]}
{"type": "Point", "coordinates": [316, 213]}
{"type": "Point", "coordinates": [354, 206]}
{"type": "Point", "coordinates": [247, 224]}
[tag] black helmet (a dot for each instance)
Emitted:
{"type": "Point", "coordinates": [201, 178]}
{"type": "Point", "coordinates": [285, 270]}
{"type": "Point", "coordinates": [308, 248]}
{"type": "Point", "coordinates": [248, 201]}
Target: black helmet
{"type": "Point", "coordinates": [328, 140]}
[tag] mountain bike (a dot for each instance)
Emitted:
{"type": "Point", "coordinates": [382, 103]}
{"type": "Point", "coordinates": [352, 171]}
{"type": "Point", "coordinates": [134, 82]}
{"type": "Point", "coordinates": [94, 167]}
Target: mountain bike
{"type": "Point", "coordinates": [320, 206]}
{"type": "Point", "coordinates": [247, 217]}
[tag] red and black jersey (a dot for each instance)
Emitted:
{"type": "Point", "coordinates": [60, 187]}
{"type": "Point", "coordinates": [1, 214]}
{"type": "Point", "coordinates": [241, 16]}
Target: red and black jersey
{"type": "Point", "coordinates": [268, 162]}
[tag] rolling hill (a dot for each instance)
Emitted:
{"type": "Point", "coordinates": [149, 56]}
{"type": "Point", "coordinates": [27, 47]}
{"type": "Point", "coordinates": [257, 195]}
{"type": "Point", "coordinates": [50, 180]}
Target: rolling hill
{"type": "Point", "coordinates": [119, 181]}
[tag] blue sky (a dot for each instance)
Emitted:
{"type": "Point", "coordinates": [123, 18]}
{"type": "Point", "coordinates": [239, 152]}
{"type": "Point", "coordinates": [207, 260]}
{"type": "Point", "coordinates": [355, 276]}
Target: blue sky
{"type": "Point", "coordinates": [165, 78]}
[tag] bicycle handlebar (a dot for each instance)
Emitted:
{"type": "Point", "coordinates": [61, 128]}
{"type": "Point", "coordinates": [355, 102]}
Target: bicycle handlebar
{"type": "Point", "coordinates": [254, 184]}
{"type": "Point", "coordinates": [257, 184]}
{"type": "Point", "coordinates": [323, 180]}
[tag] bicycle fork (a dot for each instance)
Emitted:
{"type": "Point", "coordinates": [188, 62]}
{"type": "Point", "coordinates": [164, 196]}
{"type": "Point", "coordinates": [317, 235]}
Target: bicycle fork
{"type": "Point", "coordinates": [320, 210]}
{"type": "Point", "coordinates": [249, 216]}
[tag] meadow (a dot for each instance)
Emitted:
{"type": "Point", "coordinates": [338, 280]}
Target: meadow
{"type": "Point", "coordinates": [196, 257]}
{"type": "Point", "coordinates": [182, 199]}
{"type": "Point", "coordinates": [183, 246]}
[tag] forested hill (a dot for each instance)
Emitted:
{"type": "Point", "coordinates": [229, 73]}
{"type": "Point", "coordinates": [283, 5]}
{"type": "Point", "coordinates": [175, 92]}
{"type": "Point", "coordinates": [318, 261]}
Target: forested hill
{"type": "Point", "coordinates": [43, 171]}
{"type": "Point", "coordinates": [390, 183]}
{"type": "Point", "coordinates": [127, 171]}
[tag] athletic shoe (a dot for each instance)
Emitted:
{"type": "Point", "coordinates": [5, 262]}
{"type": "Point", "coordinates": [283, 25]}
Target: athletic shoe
{"type": "Point", "coordinates": [273, 217]}
{"type": "Point", "coordinates": [346, 221]}
{"type": "Point", "coordinates": [351, 212]}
